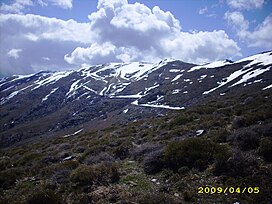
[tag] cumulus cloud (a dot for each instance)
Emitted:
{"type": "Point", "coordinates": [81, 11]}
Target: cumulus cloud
{"type": "Point", "coordinates": [14, 53]}
{"type": "Point", "coordinates": [95, 53]}
{"type": "Point", "coordinates": [39, 37]}
{"type": "Point", "coordinates": [259, 37]}
{"type": "Point", "coordinates": [203, 10]}
{"type": "Point", "coordinates": [15, 7]}
{"type": "Point", "coordinates": [66, 4]}
{"type": "Point", "coordinates": [35, 28]}
{"type": "Point", "coordinates": [18, 6]}
{"type": "Point", "coordinates": [238, 22]}
{"type": "Point", "coordinates": [117, 32]}
{"type": "Point", "coordinates": [135, 32]}
{"type": "Point", "coordinates": [245, 4]}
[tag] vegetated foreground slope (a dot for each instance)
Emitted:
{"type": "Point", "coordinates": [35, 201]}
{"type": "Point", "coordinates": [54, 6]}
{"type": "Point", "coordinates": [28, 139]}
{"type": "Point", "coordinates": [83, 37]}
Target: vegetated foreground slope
{"type": "Point", "coordinates": [146, 151]}
{"type": "Point", "coordinates": [224, 142]}
{"type": "Point", "coordinates": [61, 103]}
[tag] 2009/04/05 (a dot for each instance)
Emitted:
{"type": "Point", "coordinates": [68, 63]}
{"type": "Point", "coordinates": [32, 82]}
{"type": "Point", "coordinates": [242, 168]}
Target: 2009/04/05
{"type": "Point", "coordinates": [219, 190]}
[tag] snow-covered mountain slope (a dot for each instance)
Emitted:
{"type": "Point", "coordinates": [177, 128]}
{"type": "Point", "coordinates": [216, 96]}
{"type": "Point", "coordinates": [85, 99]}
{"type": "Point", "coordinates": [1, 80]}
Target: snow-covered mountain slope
{"type": "Point", "coordinates": [49, 102]}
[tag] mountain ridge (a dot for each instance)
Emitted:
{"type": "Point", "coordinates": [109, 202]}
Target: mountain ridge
{"type": "Point", "coordinates": [69, 99]}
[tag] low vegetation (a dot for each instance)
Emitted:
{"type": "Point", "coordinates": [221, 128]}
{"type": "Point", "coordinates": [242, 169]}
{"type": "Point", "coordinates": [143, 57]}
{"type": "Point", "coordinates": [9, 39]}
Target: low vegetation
{"type": "Point", "coordinates": [155, 160]}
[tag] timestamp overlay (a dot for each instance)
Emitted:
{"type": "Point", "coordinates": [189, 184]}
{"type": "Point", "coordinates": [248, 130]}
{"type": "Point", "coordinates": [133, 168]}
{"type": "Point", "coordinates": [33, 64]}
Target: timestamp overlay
{"type": "Point", "coordinates": [228, 190]}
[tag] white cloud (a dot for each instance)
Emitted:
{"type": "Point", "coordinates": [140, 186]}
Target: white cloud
{"type": "Point", "coordinates": [259, 37]}
{"type": "Point", "coordinates": [245, 4]}
{"type": "Point", "coordinates": [136, 33]}
{"type": "Point", "coordinates": [66, 4]}
{"type": "Point", "coordinates": [14, 53]}
{"type": "Point", "coordinates": [203, 10]}
{"type": "Point", "coordinates": [117, 31]}
{"type": "Point", "coordinates": [94, 53]}
{"type": "Point", "coordinates": [18, 6]}
{"type": "Point", "coordinates": [202, 46]}
{"type": "Point", "coordinates": [39, 36]}
{"type": "Point", "coordinates": [36, 28]}
{"type": "Point", "coordinates": [238, 22]}
{"type": "Point", "coordinates": [46, 58]}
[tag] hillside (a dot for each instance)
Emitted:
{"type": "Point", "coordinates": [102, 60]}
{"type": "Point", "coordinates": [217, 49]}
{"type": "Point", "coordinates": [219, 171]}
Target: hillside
{"type": "Point", "coordinates": [139, 133]}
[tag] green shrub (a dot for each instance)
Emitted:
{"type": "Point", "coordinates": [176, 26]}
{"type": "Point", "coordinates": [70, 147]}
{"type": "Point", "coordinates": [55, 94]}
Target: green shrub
{"type": "Point", "coordinates": [9, 176]}
{"type": "Point", "coordinates": [238, 122]}
{"type": "Point", "coordinates": [152, 162]}
{"type": "Point", "coordinates": [121, 152]}
{"type": "Point", "coordinates": [103, 173]}
{"type": "Point", "coordinates": [193, 152]}
{"type": "Point", "coordinates": [4, 163]}
{"type": "Point", "coordinates": [265, 149]}
{"type": "Point", "coordinates": [237, 165]}
{"type": "Point", "coordinates": [43, 197]}
{"type": "Point", "coordinates": [222, 156]}
{"type": "Point", "coordinates": [245, 139]}
{"type": "Point", "coordinates": [181, 120]}
{"type": "Point", "coordinates": [218, 135]}
{"type": "Point", "coordinates": [205, 109]}
{"type": "Point", "coordinates": [29, 158]}
{"type": "Point", "coordinates": [156, 198]}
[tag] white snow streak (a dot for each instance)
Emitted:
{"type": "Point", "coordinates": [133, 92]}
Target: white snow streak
{"type": "Point", "coordinates": [47, 96]}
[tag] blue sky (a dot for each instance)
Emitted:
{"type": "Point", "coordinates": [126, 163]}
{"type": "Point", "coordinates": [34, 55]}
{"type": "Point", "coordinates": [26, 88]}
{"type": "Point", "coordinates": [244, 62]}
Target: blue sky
{"type": "Point", "coordinates": [68, 34]}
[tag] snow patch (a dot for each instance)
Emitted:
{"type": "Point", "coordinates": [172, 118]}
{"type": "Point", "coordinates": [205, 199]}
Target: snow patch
{"type": "Point", "coordinates": [10, 96]}
{"type": "Point", "coordinates": [52, 79]}
{"type": "Point", "coordinates": [228, 79]}
{"type": "Point", "coordinates": [75, 133]}
{"type": "Point", "coordinates": [174, 70]}
{"type": "Point", "coordinates": [268, 87]}
{"type": "Point", "coordinates": [199, 132]}
{"type": "Point", "coordinates": [158, 106]}
{"type": "Point", "coordinates": [176, 78]}
{"type": "Point", "coordinates": [250, 75]}
{"type": "Point", "coordinates": [212, 65]}
{"type": "Point", "coordinates": [47, 96]}
{"type": "Point", "coordinates": [176, 91]}
{"type": "Point", "coordinates": [261, 59]}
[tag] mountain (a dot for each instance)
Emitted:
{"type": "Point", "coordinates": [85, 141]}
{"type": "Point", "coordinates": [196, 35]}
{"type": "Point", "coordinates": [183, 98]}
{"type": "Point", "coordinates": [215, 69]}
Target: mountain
{"type": "Point", "coordinates": [170, 132]}
{"type": "Point", "coordinates": [48, 103]}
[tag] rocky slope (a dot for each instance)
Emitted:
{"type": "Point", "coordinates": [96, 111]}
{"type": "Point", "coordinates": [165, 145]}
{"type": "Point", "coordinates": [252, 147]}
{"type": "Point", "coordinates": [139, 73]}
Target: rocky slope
{"type": "Point", "coordinates": [63, 103]}
{"type": "Point", "coordinates": [139, 133]}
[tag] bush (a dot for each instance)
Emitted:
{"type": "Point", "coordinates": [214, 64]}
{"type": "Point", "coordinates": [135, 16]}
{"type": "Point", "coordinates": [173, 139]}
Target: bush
{"type": "Point", "coordinates": [221, 159]}
{"type": "Point", "coordinates": [238, 122]}
{"type": "Point", "coordinates": [139, 152]}
{"type": "Point", "coordinates": [193, 152]}
{"type": "Point", "coordinates": [101, 157]}
{"type": "Point", "coordinates": [103, 173]}
{"type": "Point", "coordinates": [181, 120]}
{"type": "Point", "coordinates": [265, 149]}
{"type": "Point", "coordinates": [8, 177]}
{"type": "Point", "coordinates": [237, 165]}
{"type": "Point", "coordinates": [121, 152]}
{"type": "Point", "coordinates": [153, 162]}
{"type": "Point", "coordinates": [4, 162]}
{"type": "Point", "coordinates": [43, 197]}
{"type": "Point", "coordinates": [245, 139]}
{"type": "Point", "coordinates": [264, 130]}
{"type": "Point", "coordinates": [219, 135]}
{"type": "Point", "coordinates": [156, 198]}
{"type": "Point", "coordinates": [29, 158]}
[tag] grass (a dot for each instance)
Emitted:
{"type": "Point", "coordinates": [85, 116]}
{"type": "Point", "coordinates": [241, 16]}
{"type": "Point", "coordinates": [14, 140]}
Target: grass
{"type": "Point", "coordinates": [222, 156]}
